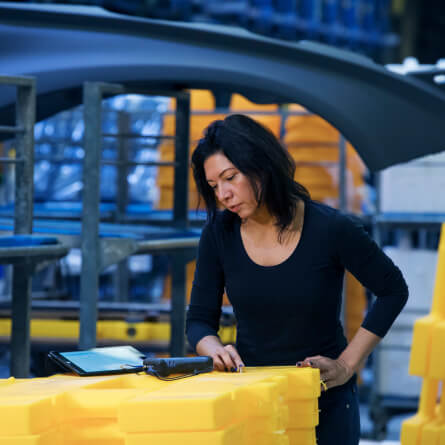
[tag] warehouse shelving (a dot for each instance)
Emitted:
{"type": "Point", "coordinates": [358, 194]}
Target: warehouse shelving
{"type": "Point", "coordinates": [93, 93]}
{"type": "Point", "coordinates": [384, 405]}
{"type": "Point", "coordinates": [23, 250]}
{"type": "Point", "coordinates": [426, 224]}
{"type": "Point", "coordinates": [102, 246]}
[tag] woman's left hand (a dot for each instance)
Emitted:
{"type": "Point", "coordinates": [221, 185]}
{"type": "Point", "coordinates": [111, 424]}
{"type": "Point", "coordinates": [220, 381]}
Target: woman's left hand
{"type": "Point", "coordinates": [332, 372]}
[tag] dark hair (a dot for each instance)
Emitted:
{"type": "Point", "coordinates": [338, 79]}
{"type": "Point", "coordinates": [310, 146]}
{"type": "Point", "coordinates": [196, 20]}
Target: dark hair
{"type": "Point", "coordinates": [256, 152]}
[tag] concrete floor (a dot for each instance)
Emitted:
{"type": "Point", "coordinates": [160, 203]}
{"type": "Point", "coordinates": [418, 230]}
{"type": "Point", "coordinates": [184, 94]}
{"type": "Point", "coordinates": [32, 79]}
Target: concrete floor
{"type": "Point", "coordinates": [394, 426]}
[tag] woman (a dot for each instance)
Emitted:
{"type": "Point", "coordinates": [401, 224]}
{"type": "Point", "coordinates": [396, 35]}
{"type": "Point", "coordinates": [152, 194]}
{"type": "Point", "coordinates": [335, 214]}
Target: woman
{"type": "Point", "coordinates": [281, 259]}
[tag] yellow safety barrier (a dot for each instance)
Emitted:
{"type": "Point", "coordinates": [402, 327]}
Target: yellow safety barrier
{"type": "Point", "coordinates": [118, 330]}
{"type": "Point", "coordinates": [427, 360]}
{"type": "Point", "coordinates": [270, 405]}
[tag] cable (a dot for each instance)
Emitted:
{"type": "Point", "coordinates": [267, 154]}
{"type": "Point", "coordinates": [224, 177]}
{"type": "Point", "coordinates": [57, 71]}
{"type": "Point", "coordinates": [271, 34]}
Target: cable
{"type": "Point", "coordinates": [148, 369]}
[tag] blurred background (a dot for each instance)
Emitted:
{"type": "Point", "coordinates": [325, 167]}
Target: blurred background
{"type": "Point", "coordinates": [386, 30]}
{"type": "Point", "coordinates": [404, 35]}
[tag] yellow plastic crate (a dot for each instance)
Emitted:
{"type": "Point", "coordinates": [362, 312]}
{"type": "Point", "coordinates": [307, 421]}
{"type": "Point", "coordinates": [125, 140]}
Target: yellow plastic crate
{"type": "Point", "coordinates": [233, 434]}
{"type": "Point", "coordinates": [427, 427]}
{"type": "Point", "coordinates": [218, 408]}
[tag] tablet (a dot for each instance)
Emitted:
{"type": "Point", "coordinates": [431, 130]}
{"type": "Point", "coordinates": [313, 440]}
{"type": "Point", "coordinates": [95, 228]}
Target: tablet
{"type": "Point", "coordinates": [100, 361]}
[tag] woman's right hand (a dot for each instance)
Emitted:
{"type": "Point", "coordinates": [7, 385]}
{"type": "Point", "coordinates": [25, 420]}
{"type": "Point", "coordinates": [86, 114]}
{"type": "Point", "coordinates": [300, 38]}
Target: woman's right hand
{"type": "Point", "coordinates": [225, 358]}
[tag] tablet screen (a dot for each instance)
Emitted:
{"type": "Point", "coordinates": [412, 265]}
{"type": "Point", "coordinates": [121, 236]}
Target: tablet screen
{"type": "Point", "coordinates": [102, 360]}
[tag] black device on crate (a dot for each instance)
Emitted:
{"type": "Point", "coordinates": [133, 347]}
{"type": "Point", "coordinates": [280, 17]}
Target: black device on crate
{"type": "Point", "coordinates": [163, 367]}
{"type": "Point", "coordinates": [127, 359]}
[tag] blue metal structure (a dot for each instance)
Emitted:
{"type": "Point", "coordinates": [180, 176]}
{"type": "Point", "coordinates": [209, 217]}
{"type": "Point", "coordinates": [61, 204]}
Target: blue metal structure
{"type": "Point", "coordinates": [389, 118]}
{"type": "Point", "coordinates": [359, 24]}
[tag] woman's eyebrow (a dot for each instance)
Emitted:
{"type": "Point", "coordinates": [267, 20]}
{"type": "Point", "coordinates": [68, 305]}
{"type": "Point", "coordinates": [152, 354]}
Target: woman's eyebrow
{"type": "Point", "coordinates": [228, 168]}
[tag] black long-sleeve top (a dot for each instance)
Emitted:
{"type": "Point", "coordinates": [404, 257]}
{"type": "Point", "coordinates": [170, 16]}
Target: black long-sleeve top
{"type": "Point", "coordinates": [290, 311]}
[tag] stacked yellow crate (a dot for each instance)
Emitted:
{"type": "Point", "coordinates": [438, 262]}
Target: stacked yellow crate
{"type": "Point", "coordinates": [267, 115]}
{"type": "Point", "coordinates": [313, 143]}
{"type": "Point", "coordinates": [255, 407]}
{"type": "Point", "coordinates": [200, 100]}
{"type": "Point", "coordinates": [427, 360]}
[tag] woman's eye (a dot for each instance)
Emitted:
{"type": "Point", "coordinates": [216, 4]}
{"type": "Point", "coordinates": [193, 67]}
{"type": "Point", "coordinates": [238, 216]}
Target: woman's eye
{"type": "Point", "coordinates": [231, 177]}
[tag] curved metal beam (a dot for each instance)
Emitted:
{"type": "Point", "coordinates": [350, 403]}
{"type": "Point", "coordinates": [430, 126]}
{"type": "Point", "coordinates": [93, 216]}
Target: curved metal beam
{"type": "Point", "coordinates": [387, 117]}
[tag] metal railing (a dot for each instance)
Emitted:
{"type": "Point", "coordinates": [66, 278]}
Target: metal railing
{"type": "Point", "coordinates": [23, 258]}
{"type": "Point", "coordinates": [93, 250]}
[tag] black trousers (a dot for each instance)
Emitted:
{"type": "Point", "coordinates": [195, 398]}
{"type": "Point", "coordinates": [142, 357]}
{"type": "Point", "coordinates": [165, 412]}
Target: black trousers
{"type": "Point", "coordinates": [339, 416]}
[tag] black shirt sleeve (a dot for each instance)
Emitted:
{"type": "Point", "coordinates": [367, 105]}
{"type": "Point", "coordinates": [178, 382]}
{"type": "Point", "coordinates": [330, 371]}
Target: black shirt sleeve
{"type": "Point", "coordinates": [359, 254]}
{"type": "Point", "coordinates": [208, 287]}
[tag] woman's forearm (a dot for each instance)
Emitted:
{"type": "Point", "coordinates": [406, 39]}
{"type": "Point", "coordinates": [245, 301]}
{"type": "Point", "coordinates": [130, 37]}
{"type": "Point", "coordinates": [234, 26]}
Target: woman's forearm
{"type": "Point", "coordinates": [359, 348]}
{"type": "Point", "coordinates": [339, 371]}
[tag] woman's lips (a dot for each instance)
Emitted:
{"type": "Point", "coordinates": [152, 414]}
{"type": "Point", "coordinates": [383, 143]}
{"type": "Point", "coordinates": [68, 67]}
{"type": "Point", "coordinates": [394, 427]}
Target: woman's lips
{"type": "Point", "coordinates": [235, 208]}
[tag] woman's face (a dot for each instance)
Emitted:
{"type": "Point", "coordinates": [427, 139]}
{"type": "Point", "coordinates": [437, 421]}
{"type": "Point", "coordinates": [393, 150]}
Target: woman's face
{"type": "Point", "coordinates": [232, 188]}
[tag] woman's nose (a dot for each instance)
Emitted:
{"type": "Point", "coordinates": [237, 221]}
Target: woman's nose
{"type": "Point", "coordinates": [223, 193]}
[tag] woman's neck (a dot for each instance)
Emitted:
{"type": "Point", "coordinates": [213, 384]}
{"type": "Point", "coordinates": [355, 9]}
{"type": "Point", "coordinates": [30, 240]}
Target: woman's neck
{"type": "Point", "coordinates": [261, 220]}
{"type": "Point", "coordinates": [263, 223]}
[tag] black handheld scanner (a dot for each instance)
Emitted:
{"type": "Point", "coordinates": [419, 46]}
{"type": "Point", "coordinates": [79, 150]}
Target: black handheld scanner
{"type": "Point", "coordinates": [178, 365]}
